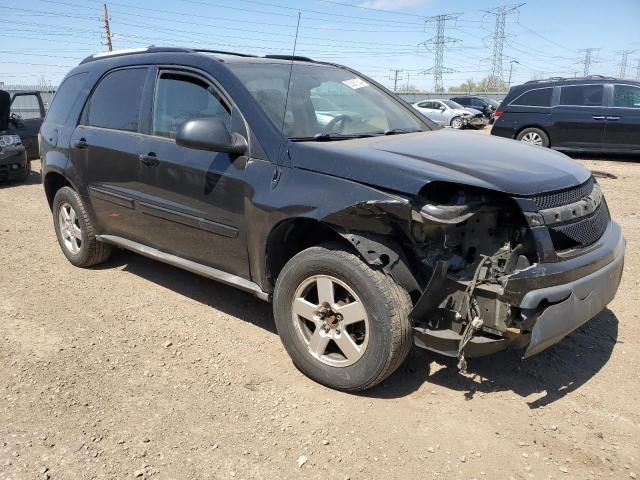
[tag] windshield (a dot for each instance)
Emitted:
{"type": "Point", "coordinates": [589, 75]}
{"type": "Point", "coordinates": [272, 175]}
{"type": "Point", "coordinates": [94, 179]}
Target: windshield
{"type": "Point", "coordinates": [492, 102]}
{"type": "Point", "coordinates": [324, 101]}
{"type": "Point", "coordinates": [452, 104]}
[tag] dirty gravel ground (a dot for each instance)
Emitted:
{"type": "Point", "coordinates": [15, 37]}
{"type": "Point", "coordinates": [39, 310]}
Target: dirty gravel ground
{"type": "Point", "coordinates": [140, 370]}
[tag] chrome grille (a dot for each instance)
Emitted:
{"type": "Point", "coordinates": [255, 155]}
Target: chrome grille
{"type": "Point", "coordinates": [563, 197]}
{"type": "Point", "coordinates": [583, 232]}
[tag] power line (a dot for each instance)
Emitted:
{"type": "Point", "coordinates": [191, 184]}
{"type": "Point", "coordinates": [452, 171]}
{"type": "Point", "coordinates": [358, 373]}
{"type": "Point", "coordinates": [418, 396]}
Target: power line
{"type": "Point", "coordinates": [496, 77]}
{"type": "Point", "coordinates": [439, 42]}
{"type": "Point", "coordinates": [107, 29]}
{"type": "Point", "coordinates": [588, 59]}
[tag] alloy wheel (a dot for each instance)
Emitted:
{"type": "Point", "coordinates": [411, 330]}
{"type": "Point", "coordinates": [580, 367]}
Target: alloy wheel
{"type": "Point", "coordinates": [69, 228]}
{"type": "Point", "coordinates": [533, 138]}
{"type": "Point", "coordinates": [331, 320]}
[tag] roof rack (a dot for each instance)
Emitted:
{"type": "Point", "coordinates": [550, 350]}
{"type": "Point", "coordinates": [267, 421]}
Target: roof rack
{"type": "Point", "coordinates": [560, 79]}
{"type": "Point", "coordinates": [223, 52]}
{"type": "Point", "coordinates": [289, 57]}
{"type": "Point", "coordinates": [132, 51]}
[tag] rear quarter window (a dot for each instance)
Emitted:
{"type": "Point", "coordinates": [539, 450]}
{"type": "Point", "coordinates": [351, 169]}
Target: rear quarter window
{"type": "Point", "coordinates": [65, 97]}
{"type": "Point", "coordinates": [539, 97]}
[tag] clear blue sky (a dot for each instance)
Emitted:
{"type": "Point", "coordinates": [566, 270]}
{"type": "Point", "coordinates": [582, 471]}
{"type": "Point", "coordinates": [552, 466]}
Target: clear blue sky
{"type": "Point", "coordinates": [45, 38]}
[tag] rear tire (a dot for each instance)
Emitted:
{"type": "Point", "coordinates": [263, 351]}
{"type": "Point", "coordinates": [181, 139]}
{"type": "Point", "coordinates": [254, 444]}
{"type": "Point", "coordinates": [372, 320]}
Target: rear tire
{"type": "Point", "coordinates": [376, 344]}
{"type": "Point", "coordinates": [75, 230]}
{"type": "Point", "coordinates": [534, 136]}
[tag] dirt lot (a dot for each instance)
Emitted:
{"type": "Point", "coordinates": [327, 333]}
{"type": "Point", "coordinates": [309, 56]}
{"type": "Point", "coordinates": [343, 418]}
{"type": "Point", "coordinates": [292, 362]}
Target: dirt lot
{"type": "Point", "coordinates": [139, 370]}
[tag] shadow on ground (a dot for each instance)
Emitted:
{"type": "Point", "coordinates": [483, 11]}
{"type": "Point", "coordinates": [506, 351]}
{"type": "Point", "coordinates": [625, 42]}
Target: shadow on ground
{"type": "Point", "coordinates": [33, 179]}
{"type": "Point", "coordinates": [216, 295]}
{"type": "Point", "coordinates": [551, 374]}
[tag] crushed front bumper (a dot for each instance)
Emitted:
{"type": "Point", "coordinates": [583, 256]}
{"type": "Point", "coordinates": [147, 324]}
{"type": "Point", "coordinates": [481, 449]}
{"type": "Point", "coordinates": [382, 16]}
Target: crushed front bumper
{"type": "Point", "coordinates": [553, 298]}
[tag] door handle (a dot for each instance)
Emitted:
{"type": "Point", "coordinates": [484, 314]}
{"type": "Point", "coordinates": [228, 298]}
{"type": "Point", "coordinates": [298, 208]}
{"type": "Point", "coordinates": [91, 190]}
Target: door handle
{"type": "Point", "coordinates": [598, 117]}
{"type": "Point", "coordinates": [80, 144]}
{"type": "Point", "coordinates": [150, 160]}
{"type": "Point", "coordinates": [614, 118]}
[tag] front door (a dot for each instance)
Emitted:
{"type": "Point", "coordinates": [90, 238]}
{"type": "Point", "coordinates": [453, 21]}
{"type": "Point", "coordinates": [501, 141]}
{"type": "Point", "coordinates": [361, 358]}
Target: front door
{"type": "Point", "coordinates": [192, 201]}
{"type": "Point", "coordinates": [106, 145]}
{"type": "Point", "coordinates": [623, 118]}
{"type": "Point", "coordinates": [29, 114]}
{"type": "Point", "coordinates": [579, 118]}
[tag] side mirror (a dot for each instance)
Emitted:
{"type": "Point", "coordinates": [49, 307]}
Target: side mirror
{"type": "Point", "coordinates": [210, 134]}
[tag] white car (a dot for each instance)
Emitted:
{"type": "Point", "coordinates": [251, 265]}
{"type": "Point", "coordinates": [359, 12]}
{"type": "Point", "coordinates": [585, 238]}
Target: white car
{"type": "Point", "coordinates": [450, 113]}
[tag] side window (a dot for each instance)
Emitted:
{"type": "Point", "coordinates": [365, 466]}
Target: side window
{"type": "Point", "coordinates": [115, 103]}
{"type": "Point", "coordinates": [423, 104]}
{"type": "Point", "coordinates": [180, 98]}
{"type": "Point", "coordinates": [626, 96]}
{"type": "Point", "coordinates": [65, 97]}
{"type": "Point", "coordinates": [26, 105]}
{"type": "Point", "coordinates": [476, 102]}
{"type": "Point", "coordinates": [539, 97]}
{"type": "Point", "coordinates": [582, 95]}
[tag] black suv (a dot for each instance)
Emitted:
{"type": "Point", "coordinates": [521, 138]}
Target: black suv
{"type": "Point", "coordinates": [573, 114]}
{"type": "Point", "coordinates": [367, 226]}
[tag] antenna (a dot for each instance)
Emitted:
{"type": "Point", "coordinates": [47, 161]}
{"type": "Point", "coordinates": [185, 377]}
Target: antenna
{"type": "Point", "coordinates": [293, 55]}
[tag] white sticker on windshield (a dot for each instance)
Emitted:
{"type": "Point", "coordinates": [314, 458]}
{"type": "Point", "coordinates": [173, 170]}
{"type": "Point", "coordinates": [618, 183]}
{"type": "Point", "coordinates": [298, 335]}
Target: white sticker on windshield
{"type": "Point", "coordinates": [355, 83]}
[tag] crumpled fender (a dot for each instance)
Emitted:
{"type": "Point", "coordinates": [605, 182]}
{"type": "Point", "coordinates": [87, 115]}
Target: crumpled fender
{"type": "Point", "coordinates": [371, 228]}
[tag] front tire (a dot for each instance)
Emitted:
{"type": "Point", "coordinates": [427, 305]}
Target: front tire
{"type": "Point", "coordinates": [75, 230]}
{"type": "Point", "coordinates": [457, 123]}
{"type": "Point", "coordinates": [343, 324]}
{"type": "Point", "coordinates": [534, 136]}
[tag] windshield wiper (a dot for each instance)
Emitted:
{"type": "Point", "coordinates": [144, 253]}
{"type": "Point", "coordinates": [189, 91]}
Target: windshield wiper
{"type": "Point", "coordinates": [396, 131]}
{"type": "Point", "coordinates": [328, 137]}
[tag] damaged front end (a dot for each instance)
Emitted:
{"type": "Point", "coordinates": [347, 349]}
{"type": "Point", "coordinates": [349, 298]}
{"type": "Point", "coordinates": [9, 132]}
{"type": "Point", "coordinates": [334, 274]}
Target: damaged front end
{"type": "Point", "coordinates": [497, 276]}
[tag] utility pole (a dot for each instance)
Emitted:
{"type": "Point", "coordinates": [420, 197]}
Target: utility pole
{"type": "Point", "coordinates": [107, 28]}
{"type": "Point", "coordinates": [588, 59]}
{"type": "Point", "coordinates": [623, 62]}
{"type": "Point", "coordinates": [395, 77]}
{"type": "Point", "coordinates": [511, 71]}
{"type": "Point", "coordinates": [407, 87]}
{"type": "Point", "coordinates": [496, 78]}
{"type": "Point", "coordinates": [439, 42]}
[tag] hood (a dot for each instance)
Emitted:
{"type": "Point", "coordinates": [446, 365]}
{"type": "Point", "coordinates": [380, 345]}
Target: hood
{"type": "Point", "coordinates": [473, 111]}
{"type": "Point", "coordinates": [5, 108]}
{"type": "Point", "coordinates": [405, 163]}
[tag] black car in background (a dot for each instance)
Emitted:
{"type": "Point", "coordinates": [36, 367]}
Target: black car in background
{"type": "Point", "coordinates": [309, 185]}
{"type": "Point", "coordinates": [573, 114]}
{"type": "Point", "coordinates": [487, 106]}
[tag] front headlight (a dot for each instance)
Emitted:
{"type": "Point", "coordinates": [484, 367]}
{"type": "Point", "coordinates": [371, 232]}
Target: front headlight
{"type": "Point", "coordinates": [10, 141]}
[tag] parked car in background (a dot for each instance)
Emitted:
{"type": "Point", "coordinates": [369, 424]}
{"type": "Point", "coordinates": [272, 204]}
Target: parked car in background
{"type": "Point", "coordinates": [371, 233]}
{"type": "Point", "coordinates": [14, 163]}
{"type": "Point", "coordinates": [485, 105]}
{"type": "Point", "coordinates": [450, 113]}
{"type": "Point", "coordinates": [573, 114]}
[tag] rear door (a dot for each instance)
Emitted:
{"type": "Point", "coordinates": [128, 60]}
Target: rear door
{"type": "Point", "coordinates": [29, 109]}
{"type": "Point", "coordinates": [622, 129]}
{"type": "Point", "coordinates": [192, 200]}
{"type": "Point", "coordinates": [578, 120]}
{"type": "Point", "coordinates": [106, 145]}
{"type": "Point", "coordinates": [431, 111]}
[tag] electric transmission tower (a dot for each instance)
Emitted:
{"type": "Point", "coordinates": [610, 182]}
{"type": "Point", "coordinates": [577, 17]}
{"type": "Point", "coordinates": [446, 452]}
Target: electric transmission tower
{"type": "Point", "coordinates": [496, 78]}
{"type": "Point", "coordinates": [395, 77]}
{"type": "Point", "coordinates": [107, 28]}
{"type": "Point", "coordinates": [588, 59]}
{"type": "Point", "coordinates": [438, 44]}
{"type": "Point", "coordinates": [623, 62]}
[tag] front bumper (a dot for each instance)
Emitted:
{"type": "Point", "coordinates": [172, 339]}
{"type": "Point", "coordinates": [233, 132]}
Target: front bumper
{"type": "Point", "coordinates": [478, 122]}
{"type": "Point", "coordinates": [553, 298]}
{"type": "Point", "coordinates": [13, 162]}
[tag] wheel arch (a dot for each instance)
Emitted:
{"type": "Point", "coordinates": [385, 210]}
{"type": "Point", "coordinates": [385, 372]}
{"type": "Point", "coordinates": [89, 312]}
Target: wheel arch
{"type": "Point", "coordinates": [54, 181]}
{"type": "Point", "coordinates": [293, 235]}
